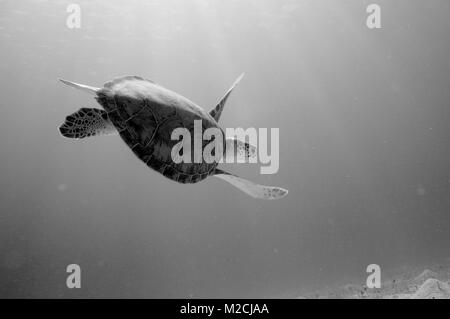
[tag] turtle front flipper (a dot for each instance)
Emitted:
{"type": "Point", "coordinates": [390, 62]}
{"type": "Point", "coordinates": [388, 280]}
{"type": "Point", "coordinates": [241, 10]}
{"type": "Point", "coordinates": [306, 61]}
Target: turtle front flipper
{"type": "Point", "coordinates": [252, 189]}
{"type": "Point", "coordinates": [217, 111]}
{"type": "Point", "coordinates": [87, 122]}
{"type": "Point", "coordinates": [237, 151]}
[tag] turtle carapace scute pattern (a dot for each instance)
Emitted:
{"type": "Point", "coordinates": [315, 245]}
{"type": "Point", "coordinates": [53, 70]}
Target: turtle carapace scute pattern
{"type": "Point", "coordinates": [145, 115]}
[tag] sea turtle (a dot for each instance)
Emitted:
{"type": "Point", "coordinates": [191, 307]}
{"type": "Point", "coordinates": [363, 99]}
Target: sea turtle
{"type": "Point", "coordinates": [145, 114]}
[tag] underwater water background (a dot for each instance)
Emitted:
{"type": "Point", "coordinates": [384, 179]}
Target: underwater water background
{"type": "Point", "coordinates": [364, 147]}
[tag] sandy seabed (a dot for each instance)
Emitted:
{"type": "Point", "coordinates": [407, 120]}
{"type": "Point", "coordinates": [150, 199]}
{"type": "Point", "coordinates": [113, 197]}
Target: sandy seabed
{"type": "Point", "coordinates": [425, 283]}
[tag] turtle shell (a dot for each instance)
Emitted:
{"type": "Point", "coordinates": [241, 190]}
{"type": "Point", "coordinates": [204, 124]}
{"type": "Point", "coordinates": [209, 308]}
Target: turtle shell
{"type": "Point", "coordinates": [145, 115]}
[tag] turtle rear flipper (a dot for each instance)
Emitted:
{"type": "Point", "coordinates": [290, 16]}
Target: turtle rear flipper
{"type": "Point", "coordinates": [87, 122]}
{"type": "Point", "coordinates": [82, 87]}
{"type": "Point", "coordinates": [252, 189]}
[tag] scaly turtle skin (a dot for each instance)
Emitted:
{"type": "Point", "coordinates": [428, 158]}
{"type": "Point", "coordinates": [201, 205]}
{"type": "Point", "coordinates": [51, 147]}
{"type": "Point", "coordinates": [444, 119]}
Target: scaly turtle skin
{"type": "Point", "coordinates": [145, 115]}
